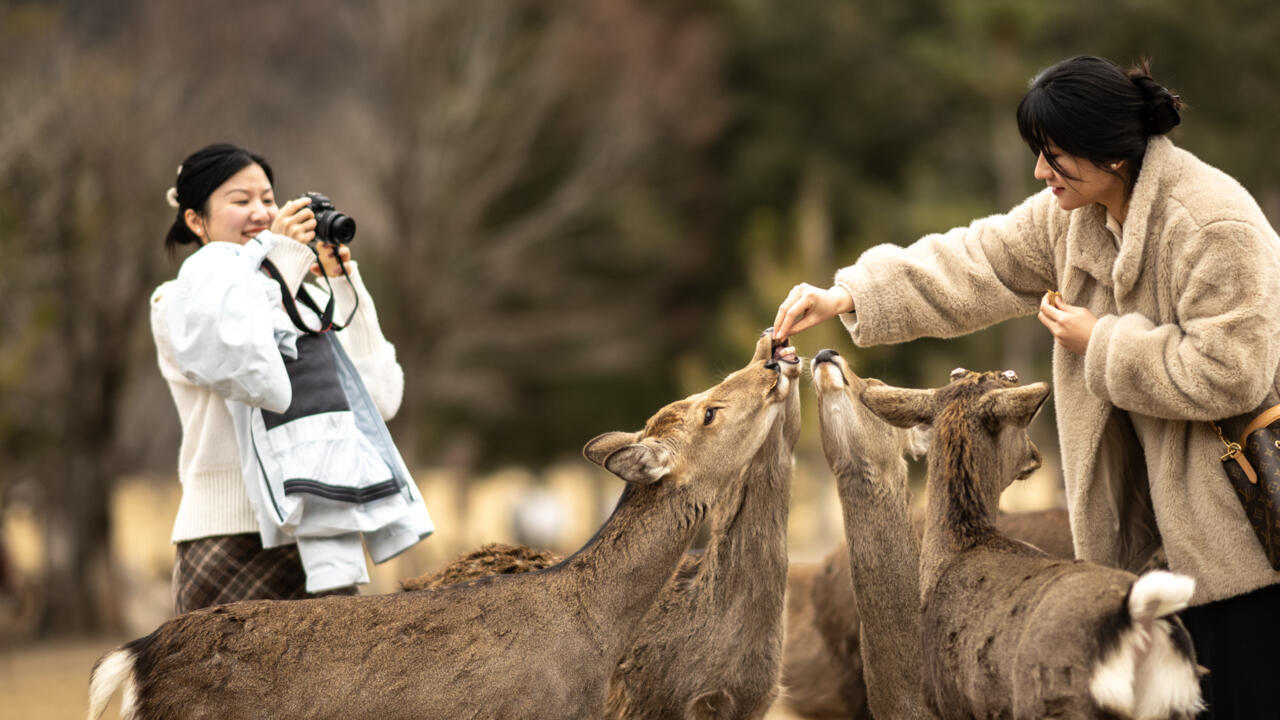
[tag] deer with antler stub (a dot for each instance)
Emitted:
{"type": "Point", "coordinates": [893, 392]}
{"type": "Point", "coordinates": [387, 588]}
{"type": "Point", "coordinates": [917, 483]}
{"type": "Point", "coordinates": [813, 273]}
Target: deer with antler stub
{"type": "Point", "coordinates": [532, 645]}
{"type": "Point", "coordinates": [1006, 630]}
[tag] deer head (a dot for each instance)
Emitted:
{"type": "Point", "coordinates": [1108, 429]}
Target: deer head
{"type": "Point", "coordinates": [984, 409]}
{"type": "Point", "coordinates": [709, 436]}
{"type": "Point", "coordinates": [846, 421]}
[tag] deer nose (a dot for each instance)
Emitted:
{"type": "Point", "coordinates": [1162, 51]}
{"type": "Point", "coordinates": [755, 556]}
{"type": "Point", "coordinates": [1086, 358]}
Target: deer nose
{"type": "Point", "coordinates": [771, 365]}
{"type": "Point", "coordinates": [827, 355]}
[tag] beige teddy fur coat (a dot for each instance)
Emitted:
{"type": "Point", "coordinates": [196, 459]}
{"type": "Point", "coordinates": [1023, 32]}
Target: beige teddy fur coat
{"type": "Point", "coordinates": [1188, 331]}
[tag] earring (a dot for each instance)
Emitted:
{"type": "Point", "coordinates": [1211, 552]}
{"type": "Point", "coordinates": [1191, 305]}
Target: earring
{"type": "Point", "coordinates": [1115, 166]}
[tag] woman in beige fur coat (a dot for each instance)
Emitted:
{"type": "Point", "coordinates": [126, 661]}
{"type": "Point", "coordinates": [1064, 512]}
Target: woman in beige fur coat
{"type": "Point", "coordinates": [1166, 316]}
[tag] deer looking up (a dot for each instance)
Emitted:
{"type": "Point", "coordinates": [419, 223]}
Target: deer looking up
{"type": "Point", "coordinates": [711, 645]}
{"type": "Point", "coordinates": [1006, 630]}
{"type": "Point", "coordinates": [866, 456]}
{"type": "Point", "coordinates": [532, 645]}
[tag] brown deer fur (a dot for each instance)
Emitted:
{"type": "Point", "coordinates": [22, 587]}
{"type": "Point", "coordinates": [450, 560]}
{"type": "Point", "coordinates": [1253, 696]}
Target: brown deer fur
{"type": "Point", "coordinates": [822, 672]}
{"type": "Point", "coordinates": [866, 456]}
{"type": "Point", "coordinates": [531, 645]}
{"type": "Point", "coordinates": [490, 559]}
{"type": "Point", "coordinates": [1008, 631]}
{"type": "Point", "coordinates": [711, 645]}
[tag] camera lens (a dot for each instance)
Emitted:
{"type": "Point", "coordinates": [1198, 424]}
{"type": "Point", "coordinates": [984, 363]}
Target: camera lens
{"type": "Point", "coordinates": [331, 225]}
{"type": "Point", "coordinates": [341, 228]}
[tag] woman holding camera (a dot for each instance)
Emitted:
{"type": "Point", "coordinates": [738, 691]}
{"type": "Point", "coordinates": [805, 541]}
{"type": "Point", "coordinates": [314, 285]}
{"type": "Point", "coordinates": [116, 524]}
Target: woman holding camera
{"type": "Point", "coordinates": [1162, 300]}
{"type": "Point", "coordinates": [223, 343]}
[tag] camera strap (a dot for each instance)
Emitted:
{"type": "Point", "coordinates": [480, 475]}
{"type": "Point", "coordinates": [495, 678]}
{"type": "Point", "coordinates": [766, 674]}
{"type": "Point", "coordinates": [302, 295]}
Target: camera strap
{"type": "Point", "coordinates": [290, 308]}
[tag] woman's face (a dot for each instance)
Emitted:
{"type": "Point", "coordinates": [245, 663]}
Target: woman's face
{"type": "Point", "coordinates": [1086, 185]}
{"type": "Point", "coordinates": [237, 210]}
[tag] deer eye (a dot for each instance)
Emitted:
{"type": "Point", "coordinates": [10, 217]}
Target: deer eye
{"type": "Point", "coordinates": [709, 415]}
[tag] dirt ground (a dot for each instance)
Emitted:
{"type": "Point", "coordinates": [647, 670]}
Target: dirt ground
{"type": "Point", "coordinates": [50, 680]}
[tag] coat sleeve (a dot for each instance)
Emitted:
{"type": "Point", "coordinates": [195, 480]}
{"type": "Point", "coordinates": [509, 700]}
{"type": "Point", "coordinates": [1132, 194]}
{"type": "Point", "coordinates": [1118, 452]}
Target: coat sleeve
{"type": "Point", "coordinates": [950, 284]}
{"type": "Point", "coordinates": [372, 354]}
{"type": "Point", "coordinates": [218, 319]}
{"type": "Point", "coordinates": [1217, 358]}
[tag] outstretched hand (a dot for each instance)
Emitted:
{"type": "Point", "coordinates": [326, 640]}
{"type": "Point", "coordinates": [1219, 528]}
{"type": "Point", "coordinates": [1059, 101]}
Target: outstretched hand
{"type": "Point", "coordinates": [807, 306]}
{"type": "Point", "coordinates": [1071, 325]}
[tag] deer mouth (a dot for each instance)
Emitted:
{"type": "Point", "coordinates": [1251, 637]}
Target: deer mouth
{"type": "Point", "coordinates": [783, 352]}
{"type": "Point", "coordinates": [828, 371]}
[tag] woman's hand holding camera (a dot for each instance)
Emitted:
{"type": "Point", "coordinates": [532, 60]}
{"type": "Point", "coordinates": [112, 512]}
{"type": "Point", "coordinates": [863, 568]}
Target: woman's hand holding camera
{"type": "Point", "coordinates": [295, 220]}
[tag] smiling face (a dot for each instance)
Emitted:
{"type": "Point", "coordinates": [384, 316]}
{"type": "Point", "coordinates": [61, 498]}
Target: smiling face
{"type": "Point", "coordinates": [237, 210]}
{"type": "Point", "coordinates": [1079, 182]}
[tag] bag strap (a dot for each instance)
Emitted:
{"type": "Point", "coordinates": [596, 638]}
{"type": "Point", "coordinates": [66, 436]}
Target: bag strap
{"type": "Point", "coordinates": [1265, 418]}
{"type": "Point", "coordinates": [1235, 450]}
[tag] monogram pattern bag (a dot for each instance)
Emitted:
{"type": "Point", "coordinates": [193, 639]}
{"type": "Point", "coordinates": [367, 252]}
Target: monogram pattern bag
{"type": "Point", "coordinates": [1253, 466]}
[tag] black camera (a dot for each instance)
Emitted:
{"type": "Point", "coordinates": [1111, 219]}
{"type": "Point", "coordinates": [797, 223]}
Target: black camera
{"type": "Point", "coordinates": [331, 225]}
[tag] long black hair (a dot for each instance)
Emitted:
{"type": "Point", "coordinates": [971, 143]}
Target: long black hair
{"type": "Point", "coordinates": [1091, 108]}
{"type": "Point", "coordinates": [198, 176]}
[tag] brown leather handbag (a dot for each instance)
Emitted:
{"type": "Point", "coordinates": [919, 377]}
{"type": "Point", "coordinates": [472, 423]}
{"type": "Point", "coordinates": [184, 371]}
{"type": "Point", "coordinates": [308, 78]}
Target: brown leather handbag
{"type": "Point", "coordinates": [1253, 466]}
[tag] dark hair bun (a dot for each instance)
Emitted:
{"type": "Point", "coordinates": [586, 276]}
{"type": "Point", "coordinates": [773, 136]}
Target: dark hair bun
{"type": "Point", "coordinates": [1162, 106]}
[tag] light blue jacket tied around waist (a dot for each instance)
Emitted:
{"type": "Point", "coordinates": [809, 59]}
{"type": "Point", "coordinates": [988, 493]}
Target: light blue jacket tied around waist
{"type": "Point", "coordinates": [320, 468]}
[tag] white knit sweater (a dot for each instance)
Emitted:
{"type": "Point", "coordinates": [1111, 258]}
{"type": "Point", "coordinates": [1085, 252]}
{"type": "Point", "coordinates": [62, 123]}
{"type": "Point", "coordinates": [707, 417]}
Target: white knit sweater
{"type": "Point", "coordinates": [214, 501]}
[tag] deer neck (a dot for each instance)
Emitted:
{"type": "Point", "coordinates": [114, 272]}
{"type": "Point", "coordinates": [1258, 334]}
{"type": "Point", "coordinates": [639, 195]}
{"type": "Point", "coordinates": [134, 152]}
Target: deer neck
{"type": "Point", "coordinates": [962, 500]}
{"type": "Point", "coordinates": [884, 560]}
{"type": "Point", "coordinates": [746, 560]}
{"type": "Point", "coordinates": [620, 571]}
{"type": "Point", "coordinates": [877, 523]}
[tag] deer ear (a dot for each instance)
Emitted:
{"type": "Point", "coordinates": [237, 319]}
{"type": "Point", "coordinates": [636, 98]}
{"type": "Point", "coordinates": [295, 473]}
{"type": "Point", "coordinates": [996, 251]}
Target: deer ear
{"type": "Point", "coordinates": [639, 464]}
{"type": "Point", "coordinates": [599, 448]}
{"type": "Point", "coordinates": [1016, 406]}
{"type": "Point", "coordinates": [899, 406]}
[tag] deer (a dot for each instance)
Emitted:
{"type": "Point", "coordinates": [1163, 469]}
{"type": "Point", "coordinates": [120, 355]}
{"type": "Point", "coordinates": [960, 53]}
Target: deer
{"type": "Point", "coordinates": [710, 646]}
{"type": "Point", "coordinates": [1007, 630]}
{"type": "Point", "coordinates": [853, 642]}
{"type": "Point", "coordinates": [529, 645]}
{"type": "Point", "coordinates": [822, 665]}
{"type": "Point", "coordinates": [866, 456]}
{"type": "Point", "coordinates": [833, 657]}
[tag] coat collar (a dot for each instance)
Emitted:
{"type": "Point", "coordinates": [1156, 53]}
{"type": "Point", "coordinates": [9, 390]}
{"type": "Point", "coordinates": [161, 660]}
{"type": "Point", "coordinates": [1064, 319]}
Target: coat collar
{"type": "Point", "coordinates": [1161, 167]}
{"type": "Point", "coordinates": [1090, 247]}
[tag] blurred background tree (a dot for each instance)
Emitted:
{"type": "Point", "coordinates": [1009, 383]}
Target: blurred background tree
{"type": "Point", "coordinates": [570, 213]}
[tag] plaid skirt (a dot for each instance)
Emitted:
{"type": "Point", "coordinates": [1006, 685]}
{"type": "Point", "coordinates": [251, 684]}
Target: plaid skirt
{"type": "Point", "coordinates": [229, 568]}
